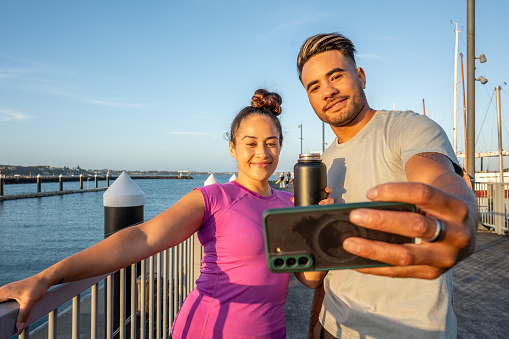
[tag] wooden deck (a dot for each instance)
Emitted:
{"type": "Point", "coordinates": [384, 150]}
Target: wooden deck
{"type": "Point", "coordinates": [481, 297]}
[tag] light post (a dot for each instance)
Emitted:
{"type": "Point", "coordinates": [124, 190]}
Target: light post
{"type": "Point", "coordinates": [323, 137]}
{"type": "Point", "coordinates": [300, 126]}
{"type": "Point", "coordinates": [470, 154]}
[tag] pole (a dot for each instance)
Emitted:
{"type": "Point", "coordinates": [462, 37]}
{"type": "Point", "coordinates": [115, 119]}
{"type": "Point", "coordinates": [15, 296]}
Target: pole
{"type": "Point", "coordinates": [1, 184]}
{"type": "Point", "coordinates": [300, 126]}
{"type": "Point", "coordinates": [423, 107]}
{"type": "Point", "coordinates": [323, 137]}
{"type": "Point", "coordinates": [123, 207]}
{"type": "Point", "coordinates": [464, 110]}
{"type": "Point", "coordinates": [499, 124]}
{"type": "Point", "coordinates": [455, 109]}
{"type": "Point", "coordinates": [470, 88]}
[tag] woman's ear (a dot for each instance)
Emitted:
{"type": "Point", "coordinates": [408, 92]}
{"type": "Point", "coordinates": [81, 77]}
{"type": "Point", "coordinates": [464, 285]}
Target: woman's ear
{"type": "Point", "coordinates": [232, 150]}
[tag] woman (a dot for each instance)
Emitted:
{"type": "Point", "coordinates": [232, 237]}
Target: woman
{"type": "Point", "coordinates": [236, 295]}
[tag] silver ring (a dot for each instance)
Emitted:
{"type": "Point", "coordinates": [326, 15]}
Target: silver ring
{"type": "Point", "coordinates": [439, 232]}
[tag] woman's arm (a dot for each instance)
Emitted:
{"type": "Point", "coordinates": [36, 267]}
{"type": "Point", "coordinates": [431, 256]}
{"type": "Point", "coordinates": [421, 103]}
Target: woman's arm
{"type": "Point", "coordinates": [121, 249]}
{"type": "Point", "coordinates": [311, 279]}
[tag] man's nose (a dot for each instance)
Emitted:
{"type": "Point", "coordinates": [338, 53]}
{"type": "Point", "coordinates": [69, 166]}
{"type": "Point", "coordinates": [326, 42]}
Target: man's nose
{"type": "Point", "coordinates": [329, 91]}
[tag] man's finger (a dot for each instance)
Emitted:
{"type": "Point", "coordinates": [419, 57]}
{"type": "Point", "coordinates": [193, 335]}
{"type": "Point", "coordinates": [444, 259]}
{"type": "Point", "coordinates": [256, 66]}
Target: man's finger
{"type": "Point", "coordinates": [407, 224]}
{"type": "Point", "coordinates": [420, 272]}
{"type": "Point", "coordinates": [399, 254]}
{"type": "Point", "coordinates": [422, 195]}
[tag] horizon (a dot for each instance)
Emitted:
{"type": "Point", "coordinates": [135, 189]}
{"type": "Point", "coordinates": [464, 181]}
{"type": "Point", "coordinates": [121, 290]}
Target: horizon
{"type": "Point", "coordinates": [155, 86]}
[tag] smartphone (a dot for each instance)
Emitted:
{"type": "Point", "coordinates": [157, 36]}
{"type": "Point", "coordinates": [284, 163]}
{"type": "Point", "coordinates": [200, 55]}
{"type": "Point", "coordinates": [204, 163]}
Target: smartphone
{"type": "Point", "coordinates": [309, 238]}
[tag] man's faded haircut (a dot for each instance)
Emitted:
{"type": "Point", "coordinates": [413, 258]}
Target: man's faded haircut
{"type": "Point", "coordinates": [325, 42]}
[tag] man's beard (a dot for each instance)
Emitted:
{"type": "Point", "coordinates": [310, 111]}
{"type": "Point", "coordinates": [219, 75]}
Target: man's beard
{"type": "Point", "coordinates": [346, 115]}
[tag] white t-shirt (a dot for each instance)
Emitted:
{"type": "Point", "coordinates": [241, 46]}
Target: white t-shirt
{"type": "Point", "coordinates": [365, 306]}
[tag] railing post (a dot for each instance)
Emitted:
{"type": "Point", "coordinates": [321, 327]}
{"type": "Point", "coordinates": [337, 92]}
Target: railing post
{"type": "Point", "coordinates": [107, 180]}
{"type": "Point", "coordinates": [499, 208]}
{"type": "Point", "coordinates": [81, 181]}
{"type": "Point", "coordinates": [60, 183]}
{"type": "Point", "coordinates": [123, 207]}
{"type": "Point", "coordinates": [38, 183]}
{"type": "Point", "coordinates": [96, 181]}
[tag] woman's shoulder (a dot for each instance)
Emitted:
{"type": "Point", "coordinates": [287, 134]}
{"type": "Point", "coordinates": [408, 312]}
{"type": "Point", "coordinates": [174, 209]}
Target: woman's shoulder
{"type": "Point", "coordinates": [228, 189]}
{"type": "Point", "coordinates": [284, 196]}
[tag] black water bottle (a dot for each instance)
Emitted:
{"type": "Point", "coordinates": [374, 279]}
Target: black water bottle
{"type": "Point", "coordinates": [310, 179]}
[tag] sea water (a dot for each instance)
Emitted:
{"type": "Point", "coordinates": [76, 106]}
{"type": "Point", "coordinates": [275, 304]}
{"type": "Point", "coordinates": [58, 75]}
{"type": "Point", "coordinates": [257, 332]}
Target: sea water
{"type": "Point", "coordinates": [36, 233]}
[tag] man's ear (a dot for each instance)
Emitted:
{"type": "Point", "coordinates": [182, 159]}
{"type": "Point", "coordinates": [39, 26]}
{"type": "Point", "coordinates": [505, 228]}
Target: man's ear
{"type": "Point", "coordinates": [362, 77]}
{"type": "Point", "coordinates": [232, 150]}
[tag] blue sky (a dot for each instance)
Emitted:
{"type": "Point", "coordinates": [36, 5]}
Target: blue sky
{"type": "Point", "coordinates": [132, 85]}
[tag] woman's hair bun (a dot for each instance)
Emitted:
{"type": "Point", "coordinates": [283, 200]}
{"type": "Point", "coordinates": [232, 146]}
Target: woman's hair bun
{"type": "Point", "coordinates": [270, 101]}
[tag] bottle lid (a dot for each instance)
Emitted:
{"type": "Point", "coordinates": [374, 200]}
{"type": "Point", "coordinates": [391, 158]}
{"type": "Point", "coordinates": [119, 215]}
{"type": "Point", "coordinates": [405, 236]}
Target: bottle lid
{"type": "Point", "coordinates": [310, 157]}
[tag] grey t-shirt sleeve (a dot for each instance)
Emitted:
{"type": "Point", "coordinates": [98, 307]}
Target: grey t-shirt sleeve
{"type": "Point", "coordinates": [419, 134]}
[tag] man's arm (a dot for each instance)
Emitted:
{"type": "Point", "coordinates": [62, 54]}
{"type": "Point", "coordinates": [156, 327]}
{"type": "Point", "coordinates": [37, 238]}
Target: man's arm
{"type": "Point", "coordinates": [439, 193]}
{"type": "Point", "coordinates": [316, 307]}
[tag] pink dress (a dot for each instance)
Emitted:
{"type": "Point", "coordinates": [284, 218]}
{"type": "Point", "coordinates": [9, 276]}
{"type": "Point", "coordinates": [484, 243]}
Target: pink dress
{"type": "Point", "coordinates": [236, 295]}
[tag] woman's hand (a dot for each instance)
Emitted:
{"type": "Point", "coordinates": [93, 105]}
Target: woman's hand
{"type": "Point", "coordinates": [27, 293]}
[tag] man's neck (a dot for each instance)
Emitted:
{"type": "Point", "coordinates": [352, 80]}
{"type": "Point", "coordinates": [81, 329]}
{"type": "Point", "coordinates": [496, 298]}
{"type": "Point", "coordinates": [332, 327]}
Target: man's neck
{"type": "Point", "coordinates": [347, 132]}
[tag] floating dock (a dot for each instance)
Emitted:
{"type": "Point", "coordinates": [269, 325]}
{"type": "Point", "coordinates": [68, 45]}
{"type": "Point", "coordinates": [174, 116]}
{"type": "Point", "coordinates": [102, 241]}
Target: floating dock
{"type": "Point", "coordinates": [49, 194]}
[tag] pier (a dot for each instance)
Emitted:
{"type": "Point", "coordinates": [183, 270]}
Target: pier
{"type": "Point", "coordinates": [61, 179]}
{"type": "Point", "coordinates": [31, 180]}
{"type": "Point", "coordinates": [49, 194]}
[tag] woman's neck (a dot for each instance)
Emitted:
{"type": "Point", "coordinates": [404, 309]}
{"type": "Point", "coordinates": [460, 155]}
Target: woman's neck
{"type": "Point", "coordinates": [259, 187]}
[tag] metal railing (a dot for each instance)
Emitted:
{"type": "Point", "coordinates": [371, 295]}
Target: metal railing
{"type": "Point", "coordinates": [169, 277]}
{"type": "Point", "coordinates": [493, 204]}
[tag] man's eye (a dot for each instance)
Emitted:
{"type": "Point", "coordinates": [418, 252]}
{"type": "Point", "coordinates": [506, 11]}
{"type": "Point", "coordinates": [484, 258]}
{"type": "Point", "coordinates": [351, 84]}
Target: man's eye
{"type": "Point", "coordinates": [313, 89]}
{"type": "Point", "coordinates": [336, 77]}
{"type": "Point", "coordinates": [251, 144]}
{"type": "Point", "coordinates": [271, 145]}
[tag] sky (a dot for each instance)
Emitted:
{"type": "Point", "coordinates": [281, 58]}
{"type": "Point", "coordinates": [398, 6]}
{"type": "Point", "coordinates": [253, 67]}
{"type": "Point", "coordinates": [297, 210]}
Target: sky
{"type": "Point", "coordinates": [129, 85]}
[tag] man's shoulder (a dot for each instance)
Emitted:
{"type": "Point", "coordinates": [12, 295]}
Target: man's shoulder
{"type": "Point", "coordinates": [407, 120]}
{"type": "Point", "coordinates": [390, 114]}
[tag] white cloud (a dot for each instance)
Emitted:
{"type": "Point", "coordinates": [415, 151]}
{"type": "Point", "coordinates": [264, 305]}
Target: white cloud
{"type": "Point", "coordinates": [193, 133]}
{"type": "Point", "coordinates": [114, 104]}
{"type": "Point", "coordinates": [8, 115]}
{"type": "Point", "coordinates": [369, 56]}
{"type": "Point", "coordinates": [286, 26]}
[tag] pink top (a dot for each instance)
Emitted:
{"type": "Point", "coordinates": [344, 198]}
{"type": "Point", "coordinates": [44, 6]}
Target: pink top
{"type": "Point", "coordinates": [236, 295]}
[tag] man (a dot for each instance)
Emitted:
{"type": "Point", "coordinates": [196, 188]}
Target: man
{"type": "Point", "coordinates": [387, 156]}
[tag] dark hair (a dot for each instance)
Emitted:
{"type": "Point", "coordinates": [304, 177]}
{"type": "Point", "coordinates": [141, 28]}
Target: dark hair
{"type": "Point", "coordinates": [264, 103]}
{"type": "Point", "coordinates": [325, 42]}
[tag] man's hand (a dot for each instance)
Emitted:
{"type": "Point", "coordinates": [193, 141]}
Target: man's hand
{"type": "Point", "coordinates": [426, 260]}
{"type": "Point", "coordinates": [328, 200]}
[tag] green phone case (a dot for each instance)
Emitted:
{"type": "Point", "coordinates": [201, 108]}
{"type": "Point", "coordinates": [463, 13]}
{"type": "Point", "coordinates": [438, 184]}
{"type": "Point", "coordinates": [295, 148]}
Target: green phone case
{"type": "Point", "coordinates": [309, 238]}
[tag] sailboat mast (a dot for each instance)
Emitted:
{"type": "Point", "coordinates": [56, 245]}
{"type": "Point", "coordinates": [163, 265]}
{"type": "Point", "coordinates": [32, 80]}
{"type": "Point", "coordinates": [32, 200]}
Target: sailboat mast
{"type": "Point", "coordinates": [455, 112]}
{"type": "Point", "coordinates": [464, 109]}
{"type": "Point", "coordinates": [499, 123]}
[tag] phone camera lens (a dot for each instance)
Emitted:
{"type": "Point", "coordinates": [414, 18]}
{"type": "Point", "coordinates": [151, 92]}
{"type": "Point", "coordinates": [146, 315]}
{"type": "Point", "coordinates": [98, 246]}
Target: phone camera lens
{"type": "Point", "coordinates": [279, 263]}
{"type": "Point", "coordinates": [291, 262]}
{"type": "Point", "coordinates": [303, 261]}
